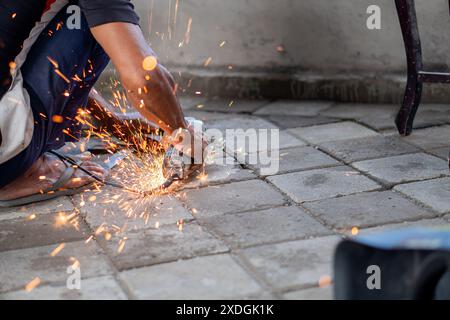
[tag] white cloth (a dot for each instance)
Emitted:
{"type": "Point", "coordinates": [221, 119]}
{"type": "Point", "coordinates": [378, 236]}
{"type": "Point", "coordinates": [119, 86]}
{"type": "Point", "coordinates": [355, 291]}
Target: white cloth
{"type": "Point", "coordinates": [16, 116]}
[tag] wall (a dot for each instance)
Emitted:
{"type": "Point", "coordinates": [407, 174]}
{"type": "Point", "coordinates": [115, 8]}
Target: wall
{"type": "Point", "coordinates": [319, 35]}
{"type": "Point", "coordinates": [321, 38]}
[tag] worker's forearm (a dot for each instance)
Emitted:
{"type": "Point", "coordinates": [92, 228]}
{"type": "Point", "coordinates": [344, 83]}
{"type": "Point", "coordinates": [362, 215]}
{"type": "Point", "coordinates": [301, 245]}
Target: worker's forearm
{"type": "Point", "coordinates": [150, 89]}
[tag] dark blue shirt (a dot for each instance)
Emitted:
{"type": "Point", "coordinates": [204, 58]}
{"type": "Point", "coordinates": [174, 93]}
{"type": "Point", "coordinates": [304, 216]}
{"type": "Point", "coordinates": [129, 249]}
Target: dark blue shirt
{"type": "Point", "coordinates": [18, 17]}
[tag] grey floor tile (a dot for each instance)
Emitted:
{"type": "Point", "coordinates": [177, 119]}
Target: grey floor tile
{"type": "Point", "coordinates": [212, 277]}
{"type": "Point", "coordinates": [149, 247]}
{"type": "Point", "coordinates": [100, 288]}
{"type": "Point", "coordinates": [42, 230]}
{"type": "Point", "coordinates": [233, 197]}
{"type": "Point", "coordinates": [366, 209]}
{"type": "Point", "coordinates": [289, 160]}
{"type": "Point", "coordinates": [404, 168]}
{"type": "Point", "coordinates": [332, 132]}
{"type": "Point", "coordinates": [292, 264]}
{"type": "Point", "coordinates": [368, 148]}
{"type": "Point", "coordinates": [19, 267]}
{"type": "Point", "coordinates": [433, 193]}
{"type": "Point", "coordinates": [259, 227]}
{"type": "Point", "coordinates": [295, 108]}
{"type": "Point", "coordinates": [322, 183]}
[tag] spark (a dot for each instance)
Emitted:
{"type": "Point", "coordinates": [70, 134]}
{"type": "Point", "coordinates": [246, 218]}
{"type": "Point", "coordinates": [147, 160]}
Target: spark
{"type": "Point", "coordinates": [89, 239]}
{"type": "Point", "coordinates": [121, 244]}
{"type": "Point", "coordinates": [187, 35]}
{"type": "Point", "coordinates": [207, 62]}
{"type": "Point", "coordinates": [355, 231]}
{"type": "Point", "coordinates": [14, 15]}
{"type": "Point", "coordinates": [281, 49]}
{"type": "Point", "coordinates": [325, 281]}
{"type": "Point", "coordinates": [149, 63]}
{"type": "Point", "coordinates": [57, 250]}
{"type": "Point", "coordinates": [59, 73]}
{"type": "Point", "coordinates": [57, 118]}
{"type": "Point", "coordinates": [222, 44]}
{"type": "Point", "coordinates": [202, 177]}
{"type": "Point", "coordinates": [32, 284]}
{"type": "Point", "coordinates": [75, 263]}
{"type": "Point", "coordinates": [180, 224]}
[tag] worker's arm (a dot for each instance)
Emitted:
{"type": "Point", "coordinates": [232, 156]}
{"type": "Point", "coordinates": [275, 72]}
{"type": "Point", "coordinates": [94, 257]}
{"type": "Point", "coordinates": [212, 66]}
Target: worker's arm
{"type": "Point", "coordinates": [150, 92]}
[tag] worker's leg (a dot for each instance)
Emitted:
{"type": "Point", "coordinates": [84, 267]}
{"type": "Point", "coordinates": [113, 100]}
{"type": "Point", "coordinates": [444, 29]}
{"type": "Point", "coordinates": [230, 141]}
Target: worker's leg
{"type": "Point", "coordinates": [61, 68]}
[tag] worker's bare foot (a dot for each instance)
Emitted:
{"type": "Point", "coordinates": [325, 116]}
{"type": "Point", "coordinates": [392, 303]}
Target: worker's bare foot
{"type": "Point", "coordinates": [45, 172]}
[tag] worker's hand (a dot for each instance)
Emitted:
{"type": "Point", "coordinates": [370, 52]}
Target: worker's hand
{"type": "Point", "coordinates": [123, 125]}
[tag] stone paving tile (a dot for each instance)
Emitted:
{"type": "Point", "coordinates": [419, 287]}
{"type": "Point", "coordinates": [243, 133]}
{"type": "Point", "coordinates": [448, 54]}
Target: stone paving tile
{"type": "Point", "coordinates": [366, 209]}
{"type": "Point", "coordinates": [40, 231]}
{"type": "Point", "coordinates": [55, 205]}
{"type": "Point", "coordinates": [233, 197]}
{"type": "Point", "coordinates": [19, 267]}
{"type": "Point", "coordinates": [150, 246]}
{"type": "Point", "coordinates": [212, 277]}
{"type": "Point", "coordinates": [442, 153]}
{"type": "Point", "coordinates": [237, 131]}
{"type": "Point", "coordinates": [424, 223]}
{"type": "Point", "coordinates": [433, 193]}
{"type": "Point", "coordinates": [286, 140]}
{"type": "Point", "coordinates": [290, 121]}
{"type": "Point", "coordinates": [295, 263]}
{"type": "Point", "coordinates": [325, 293]}
{"type": "Point", "coordinates": [447, 219]}
{"type": "Point", "coordinates": [189, 102]}
{"type": "Point", "coordinates": [241, 122]}
{"type": "Point", "coordinates": [134, 212]}
{"type": "Point", "coordinates": [208, 117]}
{"type": "Point", "coordinates": [241, 149]}
{"type": "Point", "coordinates": [220, 173]}
{"type": "Point", "coordinates": [377, 116]}
{"type": "Point", "coordinates": [332, 132]}
{"type": "Point", "coordinates": [233, 105]}
{"type": "Point", "coordinates": [295, 159]}
{"type": "Point", "coordinates": [368, 148]}
{"type": "Point", "coordinates": [429, 138]}
{"type": "Point", "coordinates": [432, 114]}
{"type": "Point", "coordinates": [295, 108]}
{"type": "Point", "coordinates": [100, 288]}
{"type": "Point", "coordinates": [322, 183]}
{"type": "Point", "coordinates": [404, 168]}
{"type": "Point", "coordinates": [259, 227]}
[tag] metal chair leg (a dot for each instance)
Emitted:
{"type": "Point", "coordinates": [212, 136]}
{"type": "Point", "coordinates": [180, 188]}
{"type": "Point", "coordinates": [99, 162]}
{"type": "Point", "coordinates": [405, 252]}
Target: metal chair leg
{"type": "Point", "coordinates": [411, 101]}
{"type": "Point", "coordinates": [413, 93]}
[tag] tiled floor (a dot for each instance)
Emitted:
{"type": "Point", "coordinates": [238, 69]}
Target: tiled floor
{"type": "Point", "coordinates": [242, 233]}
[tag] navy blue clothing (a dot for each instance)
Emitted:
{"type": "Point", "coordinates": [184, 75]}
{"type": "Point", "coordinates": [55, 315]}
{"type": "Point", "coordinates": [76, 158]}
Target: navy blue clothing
{"type": "Point", "coordinates": [77, 53]}
{"type": "Point", "coordinates": [18, 17]}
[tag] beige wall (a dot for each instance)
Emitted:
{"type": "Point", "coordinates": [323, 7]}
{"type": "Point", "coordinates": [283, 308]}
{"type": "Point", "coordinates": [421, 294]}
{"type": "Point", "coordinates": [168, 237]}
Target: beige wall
{"type": "Point", "coordinates": [321, 36]}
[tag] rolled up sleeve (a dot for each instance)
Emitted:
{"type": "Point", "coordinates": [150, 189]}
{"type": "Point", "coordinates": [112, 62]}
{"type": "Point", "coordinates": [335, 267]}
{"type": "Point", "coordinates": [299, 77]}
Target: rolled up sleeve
{"type": "Point", "coordinates": [98, 12]}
